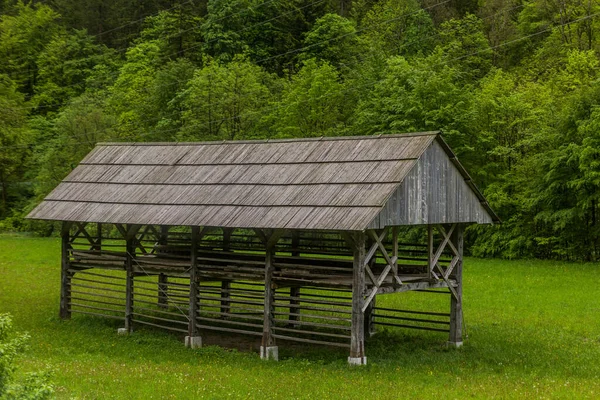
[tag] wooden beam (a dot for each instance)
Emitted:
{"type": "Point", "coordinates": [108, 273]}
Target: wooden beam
{"type": "Point", "coordinates": [357, 341]}
{"type": "Point", "coordinates": [430, 251]}
{"type": "Point", "coordinates": [268, 348]}
{"type": "Point", "coordinates": [226, 284]}
{"type": "Point", "coordinates": [456, 311]}
{"type": "Point", "coordinates": [295, 290]}
{"type": "Point", "coordinates": [194, 303]}
{"type": "Point", "coordinates": [65, 275]}
{"type": "Point", "coordinates": [130, 254]}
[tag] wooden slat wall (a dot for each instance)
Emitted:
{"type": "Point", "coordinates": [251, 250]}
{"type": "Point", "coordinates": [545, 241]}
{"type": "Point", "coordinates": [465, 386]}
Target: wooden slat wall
{"type": "Point", "coordinates": [434, 192]}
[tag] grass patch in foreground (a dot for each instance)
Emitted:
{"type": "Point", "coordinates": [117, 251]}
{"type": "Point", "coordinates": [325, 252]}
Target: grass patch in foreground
{"type": "Point", "coordinates": [533, 332]}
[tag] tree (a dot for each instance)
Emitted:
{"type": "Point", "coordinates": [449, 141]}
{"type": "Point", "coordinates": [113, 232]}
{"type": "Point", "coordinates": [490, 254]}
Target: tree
{"type": "Point", "coordinates": [225, 101]}
{"type": "Point", "coordinates": [398, 28]}
{"type": "Point", "coordinates": [422, 95]}
{"type": "Point", "coordinates": [65, 65]}
{"type": "Point", "coordinates": [71, 135]}
{"type": "Point", "coordinates": [13, 144]}
{"type": "Point", "coordinates": [332, 39]}
{"type": "Point", "coordinates": [466, 47]}
{"type": "Point", "coordinates": [22, 38]}
{"type": "Point", "coordinates": [312, 104]}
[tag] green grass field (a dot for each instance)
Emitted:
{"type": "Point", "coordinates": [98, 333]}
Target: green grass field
{"type": "Point", "coordinates": [533, 332]}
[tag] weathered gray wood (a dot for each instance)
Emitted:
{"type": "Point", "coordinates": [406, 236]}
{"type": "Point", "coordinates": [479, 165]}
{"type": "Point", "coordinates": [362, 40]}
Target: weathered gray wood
{"type": "Point", "coordinates": [456, 309]}
{"type": "Point", "coordinates": [370, 318]}
{"type": "Point", "coordinates": [268, 340]}
{"type": "Point", "coordinates": [357, 343]}
{"type": "Point", "coordinates": [194, 301]}
{"type": "Point", "coordinates": [98, 245]}
{"type": "Point", "coordinates": [226, 284]}
{"type": "Point", "coordinates": [130, 246]}
{"type": "Point", "coordinates": [436, 191]}
{"type": "Point", "coordinates": [295, 290]}
{"type": "Point", "coordinates": [163, 288]}
{"type": "Point", "coordinates": [65, 275]}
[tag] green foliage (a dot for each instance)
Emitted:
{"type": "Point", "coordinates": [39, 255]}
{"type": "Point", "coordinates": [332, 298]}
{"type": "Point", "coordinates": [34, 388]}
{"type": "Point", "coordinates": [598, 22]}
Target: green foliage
{"type": "Point", "coordinates": [64, 67]}
{"type": "Point", "coordinates": [22, 38]}
{"type": "Point", "coordinates": [513, 85]}
{"type": "Point", "coordinates": [332, 39]}
{"type": "Point", "coordinates": [224, 102]}
{"type": "Point", "coordinates": [422, 95]}
{"type": "Point", "coordinates": [35, 386]}
{"type": "Point", "coordinates": [398, 28]}
{"type": "Point", "coordinates": [13, 141]}
{"type": "Point", "coordinates": [312, 104]}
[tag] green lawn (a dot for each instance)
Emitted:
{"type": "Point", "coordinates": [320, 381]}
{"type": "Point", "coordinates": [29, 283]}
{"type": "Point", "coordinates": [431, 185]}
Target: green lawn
{"type": "Point", "coordinates": [533, 332]}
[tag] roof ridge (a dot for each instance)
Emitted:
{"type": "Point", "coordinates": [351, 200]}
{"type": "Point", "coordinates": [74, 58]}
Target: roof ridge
{"type": "Point", "coordinates": [290, 140]}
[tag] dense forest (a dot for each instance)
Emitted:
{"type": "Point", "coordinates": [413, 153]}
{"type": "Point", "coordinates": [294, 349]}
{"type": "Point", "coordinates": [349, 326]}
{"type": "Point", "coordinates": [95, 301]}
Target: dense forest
{"type": "Point", "coordinates": [513, 84]}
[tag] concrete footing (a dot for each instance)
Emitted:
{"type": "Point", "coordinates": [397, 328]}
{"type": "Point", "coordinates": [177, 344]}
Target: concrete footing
{"type": "Point", "coordinates": [193, 342]}
{"type": "Point", "coordinates": [269, 353]}
{"type": "Point", "coordinates": [357, 360]}
{"type": "Point", "coordinates": [455, 345]}
{"type": "Point", "coordinates": [123, 331]}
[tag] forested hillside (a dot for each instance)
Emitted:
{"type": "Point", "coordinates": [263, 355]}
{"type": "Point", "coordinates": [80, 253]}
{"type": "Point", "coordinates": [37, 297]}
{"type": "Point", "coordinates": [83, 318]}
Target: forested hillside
{"type": "Point", "coordinates": [513, 85]}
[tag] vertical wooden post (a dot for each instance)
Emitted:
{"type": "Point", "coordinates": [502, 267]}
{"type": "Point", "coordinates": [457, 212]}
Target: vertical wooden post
{"type": "Point", "coordinates": [456, 311]}
{"type": "Point", "coordinates": [357, 341]}
{"type": "Point", "coordinates": [368, 313]}
{"type": "Point", "coordinates": [65, 275]}
{"type": "Point", "coordinates": [429, 251]}
{"type": "Point", "coordinates": [98, 245]}
{"type": "Point", "coordinates": [226, 284]}
{"type": "Point", "coordinates": [370, 318]}
{"type": "Point", "coordinates": [130, 249]}
{"type": "Point", "coordinates": [268, 349]}
{"type": "Point", "coordinates": [295, 290]}
{"type": "Point", "coordinates": [163, 298]}
{"type": "Point", "coordinates": [193, 339]}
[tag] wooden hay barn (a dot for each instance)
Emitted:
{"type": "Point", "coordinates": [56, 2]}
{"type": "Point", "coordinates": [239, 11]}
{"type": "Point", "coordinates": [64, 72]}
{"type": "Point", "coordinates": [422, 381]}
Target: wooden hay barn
{"type": "Point", "coordinates": [286, 240]}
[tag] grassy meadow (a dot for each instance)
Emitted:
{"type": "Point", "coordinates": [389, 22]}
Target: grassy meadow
{"type": "Point", "coordinates": [533, 332]}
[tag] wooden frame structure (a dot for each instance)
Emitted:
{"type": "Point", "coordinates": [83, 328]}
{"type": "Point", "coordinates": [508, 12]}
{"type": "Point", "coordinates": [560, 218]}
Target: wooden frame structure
{"type": "Point", "coordinates": [308, 270]}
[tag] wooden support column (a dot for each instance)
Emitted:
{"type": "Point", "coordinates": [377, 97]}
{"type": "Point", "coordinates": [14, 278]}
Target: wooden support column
{"type": "Point", "coordinates": [65, 275]}
{"type": "Point", "coordinates": [98, 245]}
{"type": "Point", "coordinates": [368, 317]}
{"type": "Point", "coordinates": [268, 349]}
{"type": "Point", "coordinates": [456, 310]}
{"type": "Point", "coordinates": [430, 251]}
{"type": "Point", "coordinates": [357, 341]}
{"type": "Point", "coordinates": [226, 284]}
{"type": "Point", "coordinates": [130, 246]}
{"type": "Point", "coordinates": [295, 290]}
{"type": "Point", "coordinates": [163, 298]}
{"type": "Point", "coordinates": [193, 339]}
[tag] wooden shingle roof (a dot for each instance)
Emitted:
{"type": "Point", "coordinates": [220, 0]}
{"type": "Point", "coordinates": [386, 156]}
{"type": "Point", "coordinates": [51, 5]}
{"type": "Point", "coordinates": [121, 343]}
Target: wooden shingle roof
{"type": "Point", "coordinates": [323, 183]}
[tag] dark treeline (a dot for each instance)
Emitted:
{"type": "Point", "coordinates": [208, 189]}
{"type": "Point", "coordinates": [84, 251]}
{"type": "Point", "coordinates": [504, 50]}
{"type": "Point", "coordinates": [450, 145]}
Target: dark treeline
{"type": "Point", "coordinates": [512, 84]}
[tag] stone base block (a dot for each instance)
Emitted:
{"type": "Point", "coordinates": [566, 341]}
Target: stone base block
{"type": "Point", "coordinates": [455, 345]}
{"type": "Point", "coordinates": [269, 353]}
{"type": "Point", "coordinates": [193, 342]}
{"type": "Point", "coordinates": [357, 360]}
{"type": "Point", "coordinates": [123, 331]}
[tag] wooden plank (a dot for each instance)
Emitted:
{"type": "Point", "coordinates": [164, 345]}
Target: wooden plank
{"type": "Point", "coordinates": [357, 342]}
{"type": "Point", "coordinates": [66, 275]}
{"type": "Point", "coordinates": [193, 296]}
{"type": "Point", "coordinates": [456, 310]}
{"type": "Point", "coordinates": [268, 340]}
{"type": "Point", "coordinates": [130, 249]}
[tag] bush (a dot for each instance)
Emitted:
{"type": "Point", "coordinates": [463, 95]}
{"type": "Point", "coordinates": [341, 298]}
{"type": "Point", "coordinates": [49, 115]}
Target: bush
{"type": "Point", "coordinates": [35, 386]}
